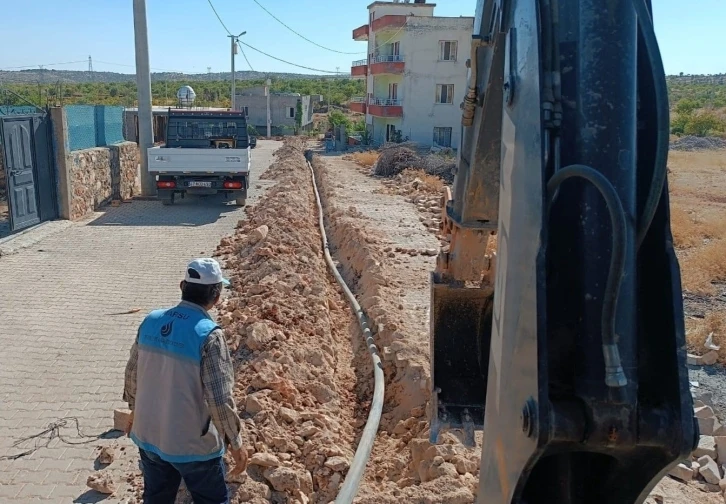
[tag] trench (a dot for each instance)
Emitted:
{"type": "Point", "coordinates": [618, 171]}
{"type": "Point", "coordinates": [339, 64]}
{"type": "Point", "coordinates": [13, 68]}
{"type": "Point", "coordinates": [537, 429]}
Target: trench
{"type": "Point", "coordinates": [303, 372]}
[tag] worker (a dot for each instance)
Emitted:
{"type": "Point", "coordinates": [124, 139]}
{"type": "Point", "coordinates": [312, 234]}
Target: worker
{"type": "Point", "coordinates": [178, 384]}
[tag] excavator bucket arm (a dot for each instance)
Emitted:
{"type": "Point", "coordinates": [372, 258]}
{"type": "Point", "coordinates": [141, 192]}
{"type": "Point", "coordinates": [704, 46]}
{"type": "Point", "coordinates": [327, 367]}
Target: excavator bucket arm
{"type": "Point", "coordinates": [557, 315]}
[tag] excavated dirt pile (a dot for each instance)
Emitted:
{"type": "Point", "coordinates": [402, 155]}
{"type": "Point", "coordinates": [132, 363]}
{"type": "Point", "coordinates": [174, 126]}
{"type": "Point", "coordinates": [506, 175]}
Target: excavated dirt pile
{"type": "Point", "coordinates": [293, 337]}
{"type": "Point", "coordinates": [404, 466]}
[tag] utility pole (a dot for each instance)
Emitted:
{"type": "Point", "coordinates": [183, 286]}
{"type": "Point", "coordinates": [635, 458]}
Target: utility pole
{"type": "Point", "coordinates": [143, 85]}
{"type": "Point", "coordinates": [269, 119]}
{"type": "Point", "coordinates": [234, 39]}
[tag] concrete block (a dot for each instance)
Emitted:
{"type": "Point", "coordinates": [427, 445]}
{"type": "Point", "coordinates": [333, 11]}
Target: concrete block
{"type": "Point", "coordinates": [681, 472]}
{"type": "Point", "coordinates": [121, 419]}
{"type": "Point", "coordinates": [721, 448]}
{"type": "Point", "coordinates": [703, 412]}
{"type": "Point", "coordinates": [707, 426]}
{"type": "Point", "coordinates": [709, 470]}
{"type": "Point", "coordinates": [706, 446]}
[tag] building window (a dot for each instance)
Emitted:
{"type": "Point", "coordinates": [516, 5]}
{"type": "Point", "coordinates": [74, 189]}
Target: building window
{"type": "Point", "coordinates": [445, 93]}
{"type": "Point", "coordinates": [247, 111]}
{"type": "Point", "coordinates": [291, 112]}
{"type": "Point", "coordinates": [390, 132]}
{"type": "Point", "coordinates": [442, 137]}
{"type": "Point", "coordinates": [447, 50]}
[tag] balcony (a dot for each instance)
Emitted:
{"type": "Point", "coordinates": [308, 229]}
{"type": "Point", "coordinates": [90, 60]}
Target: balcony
{"type": "Point", "coordinates": [359, 69]}
{"type": "Point", "coordinates": [361, 33]}
{"type": "Point", "coordinates": [385, 107]}
{"type": "Point", "coordinates": [389, 21]}
{"type": "Point", "coordinates": [392, 64]}
{"type": "Point", "coordinates": [358, 104]}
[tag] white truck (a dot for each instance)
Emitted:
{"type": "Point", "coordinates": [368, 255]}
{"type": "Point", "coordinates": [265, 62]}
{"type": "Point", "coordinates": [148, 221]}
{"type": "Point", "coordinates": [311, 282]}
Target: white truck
{"type": "Point", "coordinates": [206, 153]}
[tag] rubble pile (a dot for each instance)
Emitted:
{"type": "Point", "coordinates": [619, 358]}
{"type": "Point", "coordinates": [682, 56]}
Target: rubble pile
{"type": "Point", "coordinates": [291, 331]}
{"type": "Point", "coordinates": [694, 143]}
{"type": "Point", "coordinates": [706, 465]}
{"type": "Point", "coordinates": [404, 466]}
{"type": "Point", "coordinates": [396, 158]}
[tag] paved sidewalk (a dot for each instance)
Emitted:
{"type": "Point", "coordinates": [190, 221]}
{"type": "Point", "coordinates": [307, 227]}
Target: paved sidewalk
{"type": "Point", "coordinates": [63, 352]}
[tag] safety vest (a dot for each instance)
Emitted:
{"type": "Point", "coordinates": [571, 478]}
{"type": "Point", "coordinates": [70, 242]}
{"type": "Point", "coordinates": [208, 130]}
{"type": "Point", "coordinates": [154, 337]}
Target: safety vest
{"type": "Point", "coordinates": [171, 417]}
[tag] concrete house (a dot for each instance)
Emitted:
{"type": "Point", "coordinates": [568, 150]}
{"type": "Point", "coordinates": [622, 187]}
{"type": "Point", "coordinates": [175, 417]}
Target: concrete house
{"type": "Point", "coordinates": [283, 110]}
{"type": "Point", "coordinates": [415, 72]}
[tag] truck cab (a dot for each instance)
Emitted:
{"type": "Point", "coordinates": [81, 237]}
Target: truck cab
{"type": "Point", "coordinates": [206, 152]}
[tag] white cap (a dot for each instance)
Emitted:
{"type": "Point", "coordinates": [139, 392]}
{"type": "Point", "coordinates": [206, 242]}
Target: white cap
{"type": "Point", "coordinates": [205, 271]}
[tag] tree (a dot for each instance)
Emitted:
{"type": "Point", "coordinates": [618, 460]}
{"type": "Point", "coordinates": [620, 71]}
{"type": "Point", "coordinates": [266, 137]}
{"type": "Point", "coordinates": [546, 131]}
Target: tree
{"type": "Point", "coordinates": [298, 116]}
{"type": "Point", "coordinates": [704, 124]}
{"type": "Point", "coordinates": [686, 106]}
{"type": "Point", "coordinates": [337, 118]}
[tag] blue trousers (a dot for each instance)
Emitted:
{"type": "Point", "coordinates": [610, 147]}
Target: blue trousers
{"type": "Point", "coordinates": [204, 480]}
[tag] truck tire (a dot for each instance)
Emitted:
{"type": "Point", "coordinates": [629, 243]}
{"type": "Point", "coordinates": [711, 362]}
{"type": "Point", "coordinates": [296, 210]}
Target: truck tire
{"type": "Point", "coordinates": [240, 201]}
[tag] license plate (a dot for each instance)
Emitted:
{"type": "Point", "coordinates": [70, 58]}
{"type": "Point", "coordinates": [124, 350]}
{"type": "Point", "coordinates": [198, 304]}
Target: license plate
{"type": "Point", "coordinates": [196, 183]}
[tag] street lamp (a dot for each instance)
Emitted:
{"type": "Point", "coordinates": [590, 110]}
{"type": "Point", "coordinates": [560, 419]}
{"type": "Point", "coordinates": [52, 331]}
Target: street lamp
{"type": "Point", "coordinates": [234, 39]}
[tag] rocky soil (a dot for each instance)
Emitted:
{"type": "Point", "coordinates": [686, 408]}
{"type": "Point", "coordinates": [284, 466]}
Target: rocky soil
{"type": "Point", "coordinates": [303, 377]}
{"type": "Point", "coordinates": [386, 250]}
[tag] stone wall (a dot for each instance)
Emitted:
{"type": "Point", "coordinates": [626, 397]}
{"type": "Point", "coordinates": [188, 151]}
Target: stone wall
{"type": "Point", "coordinates": [102, 174]}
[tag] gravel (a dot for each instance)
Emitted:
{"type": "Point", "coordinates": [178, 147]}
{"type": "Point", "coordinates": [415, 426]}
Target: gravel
{"type": "Point", "coordinates": [693, 143]}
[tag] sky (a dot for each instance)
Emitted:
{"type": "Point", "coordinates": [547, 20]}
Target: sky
{"type": "Point", "coordinates": [186, 36]}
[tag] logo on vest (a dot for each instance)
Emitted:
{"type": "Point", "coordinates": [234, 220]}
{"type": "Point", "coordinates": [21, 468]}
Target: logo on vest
{"type": "Point", "coordinates": [166, 329]}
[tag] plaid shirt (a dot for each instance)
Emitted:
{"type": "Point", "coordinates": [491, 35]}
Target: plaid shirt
{"type": "Point", "coordinates": [217, 381]}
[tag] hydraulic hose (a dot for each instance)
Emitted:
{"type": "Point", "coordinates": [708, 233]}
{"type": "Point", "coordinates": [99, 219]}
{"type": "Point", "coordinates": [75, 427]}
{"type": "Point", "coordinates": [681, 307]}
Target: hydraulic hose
{"type": "Point", "coordinates": [660, 88]}
{"type": "Point", "coordinates": [355, 474]}
{"type": "Point", "coordinates": [614, 374]}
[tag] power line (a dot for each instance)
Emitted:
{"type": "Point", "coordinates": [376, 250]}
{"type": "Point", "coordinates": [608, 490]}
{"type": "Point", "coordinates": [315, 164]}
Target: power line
{"type": "Point", "coordinates": [243, 54]}
{"type": "Point", "coordinates": [44, 65]}
{"type": "Point", "coordinates": [134, 66]}
{"type": "Point", "coordinates": [218, 17]}
{"type": "Point", "coordinates": [288, 62]}
{"type": "Point", "coordinates": [240, 43]}
{"type": "Point", "coordinates": [301, 35]}
{"type": "Point", "coordinates": [229, 33]}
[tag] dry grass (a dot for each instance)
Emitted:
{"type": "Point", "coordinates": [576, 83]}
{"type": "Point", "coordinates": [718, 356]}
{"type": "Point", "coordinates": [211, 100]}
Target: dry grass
{"type": "Point", "coordinates": [697, 330]}
{"type": "Point", "coordinates": [430, 183]}
{"type": "Point", "coordinates": [692, 228]}
{"type": "Point", "coordinates": [698, 217]}
{"type": "Point", "coordinates": [703, 266]}
{"type": "Point", "coordinates": [366, 159]}
{"type": "Point", "coordinates": [698, 223]}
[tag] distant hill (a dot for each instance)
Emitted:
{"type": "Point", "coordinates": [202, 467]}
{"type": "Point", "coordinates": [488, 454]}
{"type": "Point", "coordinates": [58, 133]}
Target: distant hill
{"type": "Point", "coordinates": [33, 76]}
{"type": "Point", "coordinates": [715, 79]}
{"type": "Point", "coordinates": [48, 76]}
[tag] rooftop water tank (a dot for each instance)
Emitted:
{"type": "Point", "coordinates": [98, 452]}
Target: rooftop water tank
{"type": "Point", "coordinates": [186, 96]}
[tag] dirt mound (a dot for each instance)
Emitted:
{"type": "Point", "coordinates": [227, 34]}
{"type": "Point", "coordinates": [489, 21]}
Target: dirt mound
{"type": "Point", "coordinates": [693, 143]}
{"type": "Point", "coordinates": [291, 331]}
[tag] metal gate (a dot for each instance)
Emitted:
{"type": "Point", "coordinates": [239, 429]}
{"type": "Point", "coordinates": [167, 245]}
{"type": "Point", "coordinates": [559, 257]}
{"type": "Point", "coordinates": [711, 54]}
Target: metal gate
{"type": "Point", "coordinates": [29, 169]}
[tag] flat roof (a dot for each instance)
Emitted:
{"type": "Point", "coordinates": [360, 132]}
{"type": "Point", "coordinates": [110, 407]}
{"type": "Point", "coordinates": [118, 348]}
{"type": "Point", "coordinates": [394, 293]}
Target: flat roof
{"type": "Point", "coordinates": [204, 113]}
{"type": "Point", "coordinates": [159, 108]}
{"type": "Point", "coordinates": [402, 3]}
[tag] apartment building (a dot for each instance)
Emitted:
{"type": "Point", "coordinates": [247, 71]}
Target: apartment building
{"type": "Point", "coordinates": [415, 73]}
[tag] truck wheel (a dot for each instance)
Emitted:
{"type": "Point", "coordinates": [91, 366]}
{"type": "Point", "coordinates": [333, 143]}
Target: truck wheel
{"type": "Point", "coordinates": [240, 201]}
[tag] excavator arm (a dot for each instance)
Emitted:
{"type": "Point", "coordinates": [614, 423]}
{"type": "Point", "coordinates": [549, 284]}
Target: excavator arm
{"type": "Point", "coordinates": [556, 310]}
